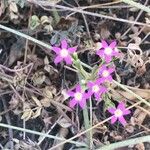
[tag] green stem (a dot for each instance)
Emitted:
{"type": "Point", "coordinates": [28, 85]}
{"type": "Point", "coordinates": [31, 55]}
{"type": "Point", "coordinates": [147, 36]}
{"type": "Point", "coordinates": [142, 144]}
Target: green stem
{"type": "Point", "coordinates": [85, 110]}
{"type": "Point", "coordinates": [91, 123]}
{"type": "Point", "coordinates": [87, 124]}
{"type": "Point", "coordinates": [56, 15]}
{"type": "Point", "coordinates": [137, 5]}
{"type": "Point", "coordinates": [85, 65]}
{"type": "Point", "coordinates": [126, 143]}
{"type": "Point", "coordinates": [86, 117]}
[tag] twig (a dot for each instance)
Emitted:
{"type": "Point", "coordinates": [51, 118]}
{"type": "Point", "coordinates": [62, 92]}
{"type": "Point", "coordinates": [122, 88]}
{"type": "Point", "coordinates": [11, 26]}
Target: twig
{"type": "Point", "coordinates": [10, 131]}
{"type": "Point", "coordinates": [137, 5]}
{"type": "Point", "coordinates": [137, 96]}
{"type": "Point", "coordinates": [42, 139]}
{"type": "Point", "coordinates": [39, 133]}
{"type": "Point", "coordinates": [46, 3]}
{"type": "Point", "coordinates": [26, 36]}
{"type": "Point", "coordinates": [126, 143]}
{"type": "Point", "coordinates": [141, 11]}
{"type": "Point", "coordinates": [16, 70]}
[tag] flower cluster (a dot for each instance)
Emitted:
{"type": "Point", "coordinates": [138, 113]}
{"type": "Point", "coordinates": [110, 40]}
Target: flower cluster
{"type": "Point", "coordinates": [97, 87]}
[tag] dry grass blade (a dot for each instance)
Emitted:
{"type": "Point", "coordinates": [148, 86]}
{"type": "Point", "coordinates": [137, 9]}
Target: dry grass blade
{"type": "Point", "coordinates": [45, 4]}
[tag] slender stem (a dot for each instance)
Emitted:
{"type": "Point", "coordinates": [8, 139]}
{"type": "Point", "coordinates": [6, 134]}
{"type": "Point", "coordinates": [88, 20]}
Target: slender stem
{"type": "Point", "coordinates": [39, 133]}
{"type": "Point", "coordinates": [126, 143]}
{"type": "Point", "coordinates": [137, 5]}
{"type": "Point", "coordinates": [85, 65]}
{"type": "Point", "coordinates": [86, 121]}
{"type": "Point", "coordinates": [85, 110]}
{"type": "Point", "coordinates": [25, 36]}
{"type": "Point", "coordinates": [91, 123]}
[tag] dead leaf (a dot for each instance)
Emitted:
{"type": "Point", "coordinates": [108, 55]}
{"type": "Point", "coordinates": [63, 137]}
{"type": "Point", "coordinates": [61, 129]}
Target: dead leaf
{"type": "Point", "coordinates": [38, 78]}
{"type": "Point", "coordinates": [120, 94]}
{"type": "Point", "coordinates": [16, 50]}
{"type": "Point", "coordinates": [46, 102]}
{"type": "Point", "coordinates": [140, 146]}
{"type": "Point", "coordinates": [115, 136]}
{"type": "Point", "coordinates": [37, 113]}
{"type": "Point", "coordinates": [129, 128]}
{"type": "Point", "coordinates": [140, 115]}
{"type": "Point", "coordinates": [37, 102]}
{"type": "Point", "coordinates": [64, 123]}
{"type": "Point", "coordinates": [27, 114]}
{"type": "Point", "coordinates": [13, 7]}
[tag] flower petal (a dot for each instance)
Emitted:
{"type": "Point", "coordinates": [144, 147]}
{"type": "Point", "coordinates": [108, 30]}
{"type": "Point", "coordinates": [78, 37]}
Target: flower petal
{"type": "Point", "coordinates": [122, 120]}
{"type": "Point", "coordinates": [101, 80]}
{"type": "Point", "coordinates": [82, 103]}
{"type": "Point", "coordinates": [57, 60]}
{"type": "Point", "coordinates": [90, 84]}
{"type": "Point", "coordinates": [68, 60]}
{"type": "Point", "coordinates": [111, 70]}
{"type": "Point", "coordinates": [56, 49]}
{"type": "Point", "coordinates": [121, 106]}
{"type": "Point", "coordinates": [109, 78]}
{"type": "Point", "coordinates": [108, 58]}
{"type": "Point", "coordinates": [113, 119]}
{"type": "Point", "coordinates": [72, 49]}
{"type": "Point", "coordinates": [103, 90]}
{"type": "Point", "coordinates": [70, 93]}
{"type": "Point", "coordinates": [112, 110]}
{"type": "Point", "coordinates": [72, 103]}
{"type": "Point", "coordinates": [100, 53]}
{"type": "Point", "coordinates": [113, 44]}
{"type": "Point", "coordinates": [78, 88]}
{"type": "Point", "coordinates": [97, 96]}
{"type": "Point", "coordinates": [126, 112]}
{"type": "Point", "coordinates": [88, 94]}
{"type": "Point", "coordinates": [104, 44]}
{"type": "Point", "coordinates": [102, 68]}
{"type": "Point", "coordinates": [64, 44]}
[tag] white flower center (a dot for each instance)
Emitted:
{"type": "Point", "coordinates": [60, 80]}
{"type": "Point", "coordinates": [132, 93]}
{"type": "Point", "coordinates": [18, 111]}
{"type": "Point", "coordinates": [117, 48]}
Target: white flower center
{"type": "Point", "coordinates": [64, 52]}
{"type": "Point", "coordinates": [98, 46]}
{"type": "Point", "coordinates": [108, 51]}
{"type": "Point", "coordinates": [118, 113]}
{"type": "Point", "coordinates": [105, 73]}
{"type": "Point", "coordinates": [95, 88]}
{"type": "Point", "coordinates": [78, 96]}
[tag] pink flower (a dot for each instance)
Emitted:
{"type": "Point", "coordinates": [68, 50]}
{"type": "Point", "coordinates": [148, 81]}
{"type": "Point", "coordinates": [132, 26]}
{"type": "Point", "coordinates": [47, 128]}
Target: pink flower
{"type": "Point", "coordinates": [96, 89]}
{"type": "Point", "coordinates": [64, 53]}
{"type": "Point", "coordinates": [107, 51]}
{"type": "Point", "coordinates": [118, 113]}
{"type": "Point", "coordinates": [105, 73]}
{"type": "Point", "coordinates": [79, 97]}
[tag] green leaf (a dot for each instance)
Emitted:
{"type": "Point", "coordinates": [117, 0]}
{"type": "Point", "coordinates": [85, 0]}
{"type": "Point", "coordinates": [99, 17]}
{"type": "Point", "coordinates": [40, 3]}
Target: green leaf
{"type": "Point", "coordinates": [34, 22]}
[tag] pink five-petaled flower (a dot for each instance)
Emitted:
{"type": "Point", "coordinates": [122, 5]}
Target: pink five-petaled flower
{"type": "Point", "coordinates": [96, 89]}
{"type": "Point", "coordinates": [107, 51]}
{"type": "Point", "coordinates": [105, 73]}
{"type": "Point", "coordinates": [79, 97]}
{"type": "Point", "coordinates": [64, 53]}
{"type": "Point", "coordinates": [118, 113]}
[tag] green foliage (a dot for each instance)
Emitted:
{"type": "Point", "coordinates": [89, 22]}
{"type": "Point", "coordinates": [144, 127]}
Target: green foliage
{"type": "Point", "coordinates": [21, 3]}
